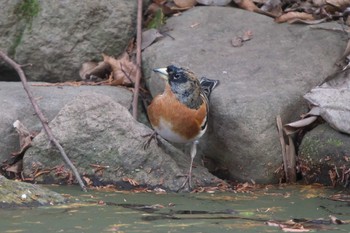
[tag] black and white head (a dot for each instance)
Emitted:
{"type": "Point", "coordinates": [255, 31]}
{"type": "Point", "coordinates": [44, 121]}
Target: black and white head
{"type": "Point", "coordinates": [184, 84]}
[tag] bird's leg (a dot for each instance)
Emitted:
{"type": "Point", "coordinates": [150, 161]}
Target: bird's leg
{"type": "Point", "coordinates": [189, 176]}
{"type": "Point", "coordinates": [193, 154]}
{"type": "Point", "coordinates": [149, 140]}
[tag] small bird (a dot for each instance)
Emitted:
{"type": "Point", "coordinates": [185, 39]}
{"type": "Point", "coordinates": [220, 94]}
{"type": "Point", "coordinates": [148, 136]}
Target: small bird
{"type": "Point", "coordinates": [180, 113]}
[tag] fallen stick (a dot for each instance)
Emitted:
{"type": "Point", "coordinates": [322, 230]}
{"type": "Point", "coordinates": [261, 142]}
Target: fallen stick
{"type": "Point", "coordinates": [283, 145]}
{"type": "Point", "coordinates": [42, 118]}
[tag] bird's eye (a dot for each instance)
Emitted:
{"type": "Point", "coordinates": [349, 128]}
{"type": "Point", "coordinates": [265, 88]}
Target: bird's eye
{"type": "Point", "coordinates": [176, 76]}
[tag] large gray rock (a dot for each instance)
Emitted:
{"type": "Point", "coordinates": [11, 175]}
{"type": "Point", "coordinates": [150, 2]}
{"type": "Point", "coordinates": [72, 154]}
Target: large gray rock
{"type": "Point", "coordinates": [11, 28]}
{"type": "Point", "coordinates": [58, 36]}
{"type": "Point", "coordinates": [15, 105]}
{"type": "Point", "coordinates": [264, 78]}
{"type": "Point", "coordinates": [97, 131]}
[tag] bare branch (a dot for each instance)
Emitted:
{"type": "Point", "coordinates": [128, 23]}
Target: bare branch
{"type": "Point", "coordinates": [138, 59]}
{"type": "Point", "coordinates": [42, 118]}
{"type": "Point", "coordinates": [124, 72]}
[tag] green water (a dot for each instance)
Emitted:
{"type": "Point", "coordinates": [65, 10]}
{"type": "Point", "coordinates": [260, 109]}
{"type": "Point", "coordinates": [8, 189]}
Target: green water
{"type": "Point", "coordinates": [149, 212]}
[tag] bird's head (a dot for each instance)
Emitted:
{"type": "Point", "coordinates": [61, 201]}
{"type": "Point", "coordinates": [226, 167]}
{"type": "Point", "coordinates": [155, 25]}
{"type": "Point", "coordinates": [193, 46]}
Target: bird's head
{"type": "Point", "coordinates": [183, 83]}
{"type": "Point", "coordinates": [177, 76]}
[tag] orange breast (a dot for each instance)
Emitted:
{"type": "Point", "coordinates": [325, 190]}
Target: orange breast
{"type": "Point", "coordinates": [166, 111]}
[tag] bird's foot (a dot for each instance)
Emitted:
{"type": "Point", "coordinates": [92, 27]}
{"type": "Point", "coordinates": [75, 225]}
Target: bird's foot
{"type": "Point", "coordinates": [150, 136]}
{"type": "Point", "coordinates": [188, 181]}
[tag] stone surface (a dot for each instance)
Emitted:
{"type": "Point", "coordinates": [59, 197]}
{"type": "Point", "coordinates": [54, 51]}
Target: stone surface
{"type": "Point", "coordinates": [15, 105]}
{"type": "Point", "coordinates": [96, 131]}
{"type": "Point", "coordinates": [62, 35]}
{"type": "Point", "coordinates": [264, 78]}
{"type": "Point", "coordinates": [17, 194]}
{"type": "Point", "coordinates": [10, 29]}
{"type": "Point", "coordinates": [324, 149]}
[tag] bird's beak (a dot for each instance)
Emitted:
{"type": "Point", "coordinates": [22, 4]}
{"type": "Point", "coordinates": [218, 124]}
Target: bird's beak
{"type": "Point", "coordinates": [162, 73]}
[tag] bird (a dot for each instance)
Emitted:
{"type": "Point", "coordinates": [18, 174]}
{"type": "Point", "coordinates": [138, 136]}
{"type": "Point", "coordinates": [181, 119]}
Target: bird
{"type": "Point", "coordinates": [180, 113]}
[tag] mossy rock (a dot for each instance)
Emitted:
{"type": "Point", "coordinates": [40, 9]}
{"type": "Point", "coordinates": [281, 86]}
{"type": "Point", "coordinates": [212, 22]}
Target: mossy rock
{"type": "Point", "coordinates": [17, 194]}
{"type": "Point", "coordinates": [324, 150]}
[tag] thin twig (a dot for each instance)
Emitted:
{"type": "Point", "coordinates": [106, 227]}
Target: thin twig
{"type": "Point", "coordinates": [138, 59]}
{"type": "Point", "coordinates": [126, 75]}
{"type": "Point", "coordinates": [42, 118]}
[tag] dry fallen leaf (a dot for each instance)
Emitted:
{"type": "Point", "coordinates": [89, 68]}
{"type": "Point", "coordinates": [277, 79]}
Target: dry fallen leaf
{"type": "Point", "coordinates": [194, 25]}
{"type": "Point", "coordinates": [333, 177]}
{"type": "Point", "coordinates": [247, 35]}
{"type": "Point", "coordinates": [87, 180]}
{"type": "Point", "coordinates": [159, 2]}
{"type": "Point", "coordinates": [86, 68]}
{"type": "Point", "coordinates": [14, 164]}
{"type": "Point", "coordinates": [335, 220]}
{"type": "Point", "coordinates": [293, 127]}
{"type": "Point", "coordinates": [16, 168]}
{"type": "Point", "coordinates": [25, 138]}
{"type": "Point", "coordinates": [154, 7]}
{"type": "Point", "coordinates": [340, 4]}
{"type": "Point", "coordinates": [131, 181]}
{"type": "Point", "coordinates": [247, 5]}
{"type": "Point", "coordinates": [309, 22]}
{"type": "Point", "coordinates": [236, 41]}
{"type": "Point", "coordinates": [123, 70]}
{"type": "Point", "coordinates": [295, 229]}
{"type": "Point", "coordinates": [340, 197]}
{"type": "Point", "coordinates": [185, 3]}
{"type": "Point", "coordinates": [273, 6]}
{"type": "Point", "coordinates": [95, 71]}
{"type": "Point", "coordinates": [301, 225]}
{"type": "Point", "coordinates": [149, 36]}
{"type": "Point", "coordinates": [294, 15]}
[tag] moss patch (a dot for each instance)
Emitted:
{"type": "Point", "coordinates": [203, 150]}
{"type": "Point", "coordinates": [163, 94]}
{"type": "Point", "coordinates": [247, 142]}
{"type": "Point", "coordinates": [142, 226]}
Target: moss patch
{"type": "Point", "coordinates": [335, 142]}
{"type": "Point", "coordinates": [27, 9]}
{"type": "Point", "coordinates": [12, 49]}
{"type": "Point", "coordinates": [310, 147]}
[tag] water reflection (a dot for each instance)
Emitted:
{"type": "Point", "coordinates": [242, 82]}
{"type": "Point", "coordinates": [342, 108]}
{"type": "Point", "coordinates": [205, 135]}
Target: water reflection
{"type": "Point", "coordinates": [291, 208]}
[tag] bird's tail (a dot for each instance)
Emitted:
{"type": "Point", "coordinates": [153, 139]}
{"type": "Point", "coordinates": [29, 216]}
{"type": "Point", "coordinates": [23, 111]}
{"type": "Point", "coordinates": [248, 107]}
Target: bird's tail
{"type": "Point", "coordinates": [208, 85]}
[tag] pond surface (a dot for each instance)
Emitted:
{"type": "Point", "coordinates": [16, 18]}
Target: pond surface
{"type": "Point", "coordinates": [102, 211]}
